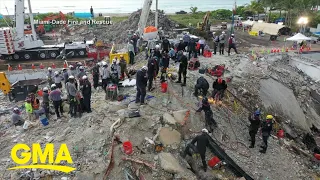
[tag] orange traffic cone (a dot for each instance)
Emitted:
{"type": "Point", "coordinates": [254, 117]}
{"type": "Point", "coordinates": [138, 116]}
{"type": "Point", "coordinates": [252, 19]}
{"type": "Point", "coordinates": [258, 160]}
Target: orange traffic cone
{"type": "Point", "coordinates": [33, 67]}
{"type": "Point", "coordinates": [19, 67]}
{"type": "Point", "coordinates": [41, 66]}
{"type": "Point", "coordinates": [278, 50]}
{"type": "Point", "coordinates": [272, 51]}
{"type": "Point", "coordinates": [9, 67]}
{"type": "Point", "coordinates": [53, 66]}
{"type": "Point", "coordinates": [65, 65]}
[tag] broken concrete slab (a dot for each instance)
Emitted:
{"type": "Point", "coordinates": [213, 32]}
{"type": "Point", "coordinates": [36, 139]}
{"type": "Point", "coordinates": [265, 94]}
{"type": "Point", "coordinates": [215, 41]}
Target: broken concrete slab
{"type": "Point", "coordinates": [169, 119]}
{"type": "Point", "coordinates": [169, 163]}
{"type": "Point", "coordinates": [84, 176]}
{"type": "Point", "coordinates": [168, 136]}
{"type": "Point", "coordinates": [180, 115]}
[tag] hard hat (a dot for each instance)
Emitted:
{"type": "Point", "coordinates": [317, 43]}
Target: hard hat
{"type": "Point", "coordinates": [15, 109]}
{"type": "Point", "coordinates": [53, 86]}
{"type": "Point", "coordinates": [45, 89]}
{"type": "Point", "coordinates": [121, 55]}
{"type": "Point", "coordinates": [232, 35]}
{"type": "Point", "coordinates": [114, 61]}
{"type": "Point", "coordinates": [84, 77]}
{"type": "Point", "coordinates": [49, 68]}
{"type": "Point", "coordinates": [205, 130]}
{"type": "Point", "coordinates": [56, 72]}
{"type": "Point", "coordinates": [81, 67]}
{"type": "Point", "coordinates": [71, 77]}
{"type": "Point", "coordinates": [181, 39]}
{"type": "Point", "coordinates": [257, 113]}
{"type": "Point", "coordinates": [220, 80]}
{"type": "Point", "coordinates": [70, 66]}
{"type": "Point", "coordinates": [144, 68]}
{"type": "Point", "coordinates": [64, 69]}
{"type": "Point", "coordinates": [223, 32]}
{"type": "Point", "coordinates": [269, 117]}
{"type": "Point", "coordinates": [157, 46]}
{"type": "Point", "coordinates": [104, 63]}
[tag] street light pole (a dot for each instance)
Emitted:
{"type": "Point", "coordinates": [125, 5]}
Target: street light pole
{"type": "Point", "coordinates": [156, 20]}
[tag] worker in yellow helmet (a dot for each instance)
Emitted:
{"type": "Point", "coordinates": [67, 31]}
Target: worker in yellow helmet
{"type": "Point", "coordinates": [266, 128]}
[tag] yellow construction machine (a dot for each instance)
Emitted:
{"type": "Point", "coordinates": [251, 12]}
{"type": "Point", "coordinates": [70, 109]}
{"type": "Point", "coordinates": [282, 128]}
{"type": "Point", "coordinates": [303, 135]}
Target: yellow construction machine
{"type": "Point", "coordinates": [205, 24]}
{"type": "Point", "coordinates": [4, 83]}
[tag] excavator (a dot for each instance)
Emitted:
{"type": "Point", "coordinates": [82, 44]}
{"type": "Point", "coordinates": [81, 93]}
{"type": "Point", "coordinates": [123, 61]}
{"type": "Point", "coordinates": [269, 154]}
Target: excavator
{"type": "Point", "coordinates": [205, 24]}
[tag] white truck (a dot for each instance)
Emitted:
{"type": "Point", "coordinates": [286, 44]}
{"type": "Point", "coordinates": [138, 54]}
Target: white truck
{"type": "Point", "coordinates": [16, 45]}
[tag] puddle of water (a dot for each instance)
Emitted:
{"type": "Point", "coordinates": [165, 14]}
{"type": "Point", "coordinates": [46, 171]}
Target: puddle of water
{"type": "Point", "coordinates": [312, 71]}
{"type": "Point", "coordinates": [25, 76]}
{"type": "Point", "coordinates": [273, 93]}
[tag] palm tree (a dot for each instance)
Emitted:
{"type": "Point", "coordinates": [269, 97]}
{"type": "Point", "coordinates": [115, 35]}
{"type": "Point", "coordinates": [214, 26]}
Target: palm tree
{"type": "Point", "coordinates": [255, 7]}
{"type": "Point", "coordinates": [194, 10]}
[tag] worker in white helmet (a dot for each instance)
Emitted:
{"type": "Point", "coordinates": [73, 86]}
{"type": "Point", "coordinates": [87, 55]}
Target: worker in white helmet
{"type": "Point", "coordinates": [222, 42]}
{"type": "Point", "coordinates": [50, 76]}
{"type": "Point", "coordinates": [46, 100]}
{"type": "Point", "coordinates": [131, 51]}
{"type": "Point", "coordinates": [201, 147]}
{"type": "Point", "coordinates": [16, 119]}
{"type": "Point", "coordinates": [95, 75]}
{"type": "Point", "coordinates": [72, 93]}
{"type": "Point", "coordinates": [86, 93]}
{"type": "Point", "coordinates": [57, 79]}
{"type": "Point", "coordinates": [105, 75]}
{"type": "Point", "coordinates": [115, 71]}
{"type": "Point", "coordinates": [232, 44]}
{"type": "Point", "coordinates": [55, 96]}
{"type": "Point", "coordinates": [141, 83]}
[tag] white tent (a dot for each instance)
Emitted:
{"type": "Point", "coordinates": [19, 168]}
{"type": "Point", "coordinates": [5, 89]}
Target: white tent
{"type": "Point", "coordinates": [267, 28]}
{"type": "Point", "coordinates": [248, 23]}
{"type": "Point", "coordinates": [299, 37]}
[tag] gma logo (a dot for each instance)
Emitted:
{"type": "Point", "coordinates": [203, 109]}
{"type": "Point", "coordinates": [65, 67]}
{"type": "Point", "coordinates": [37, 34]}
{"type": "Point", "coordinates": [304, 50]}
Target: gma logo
{"type": "Point", "coordinates": [46, 157]}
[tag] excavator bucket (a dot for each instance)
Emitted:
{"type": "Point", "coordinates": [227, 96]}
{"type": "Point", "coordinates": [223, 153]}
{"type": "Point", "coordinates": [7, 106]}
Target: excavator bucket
{"type": "Point", "coordinates": [4, 83]}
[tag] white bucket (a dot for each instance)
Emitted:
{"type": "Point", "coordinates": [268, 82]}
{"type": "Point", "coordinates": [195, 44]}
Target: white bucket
{"type": "Point", "coordinates": [26, 124]}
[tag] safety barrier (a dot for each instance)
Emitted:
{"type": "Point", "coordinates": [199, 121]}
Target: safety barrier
{"type": "Point", "coordinates": [37, 66]}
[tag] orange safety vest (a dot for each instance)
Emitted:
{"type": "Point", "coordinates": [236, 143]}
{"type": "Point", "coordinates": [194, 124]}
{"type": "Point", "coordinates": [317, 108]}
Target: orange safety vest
{"type": "Point", "coordinates": [35, 105]}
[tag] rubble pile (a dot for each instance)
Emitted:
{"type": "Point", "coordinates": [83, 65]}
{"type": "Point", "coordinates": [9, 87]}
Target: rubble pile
{"type": "Point", "coordinates": [118, 32]}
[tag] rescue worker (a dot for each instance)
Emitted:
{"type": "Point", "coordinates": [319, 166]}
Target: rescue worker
{"type": "Point", "coordinates": [72, 92]}
{"type": "Point", "coordinates": [266, 128]}
{"type": "Point", "coordinates": [134, 40]}
{"type": "Point", "coordinates": [71, 71]}
{"type": "Point", "coordinates": [141, 84]}
{"type": "Point", "coordinates": [157, 52]}
{"type": "Point", "coordinates": [86, 93]}
{"type": "Point", "coordinates": [123, 67]}
{"type": "Point", "coordinates": [181, 45]}
{"type": "Point", "coordinates": [172, 53]}
{"type": "Point", "coordinates": [202, 85]}
{"type": "Point", "coordinates": [183, 68]}
{"type": "Point", "coordinates": [151, 46]}
{"type": "Point", "coordinates": [16, 119]}
{"type": "Point", "coordinates": [105, 76]}
{"type": "Point", "coordinates": [186, 40]}
{"type": "Point", "coordinates": [222, 42]}
{"type": "Point", "coordinates": [255, 123]}
{"type": "Point", "coordinates": [131, 51]}
{"type": "Point", "coordinates": [34, 101]}
{"type": "Point", "coordinates": [65, 75]}
{"type": "Point", "coordinates": [165, 60]}
{"type": "Point", "coordinates": [29, 109]}
{"type": "Point", "coordinates": [46, 100]}
{"type": "Point", "coordinates": [152, 70]}
{"type": "Point", "coordinates": [55, 96]}
{"type": "Point", "coordinates": [139, 43]}
{"type": "Point", "coordinates": [165, 45]}
{"type": "Point", "coordinates": [202, 143]}
{"type": "Point", "coordinates": [50, 76]}
{"type": "Point", "coordinates": [57, 80]}
{"type": "Point", "coordinates": [202, 43]}
{"type": "Point", "coordinates": [232, 44]}
{"type": "Point", "coordinates": [216, 41]}
{"type": "Point", "coordinates": [205, 106]}
{"type": "Point", "coordinates": [192, 48]}
{"type": "Point", "coordinates": [95, 75]}
{"type": "Point", "coordinates": [115, 72]}
{"type": "Point", "coordinates": [81, 74]}
{"type": "Point", "coordinates": [219, 86]}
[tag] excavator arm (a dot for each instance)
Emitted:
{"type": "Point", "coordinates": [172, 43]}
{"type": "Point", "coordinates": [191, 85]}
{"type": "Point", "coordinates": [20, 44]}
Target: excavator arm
{"type": "Point", "coordinates": [205, 23]}
{"type": "Point", "coordinates": [5, 85]}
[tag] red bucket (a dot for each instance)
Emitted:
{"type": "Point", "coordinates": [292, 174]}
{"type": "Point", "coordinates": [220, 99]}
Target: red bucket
{"type": "Point", "coordinates": [280, 133]}
{"type": "Point", "coordinates": [164, 87]}
{"type": "Point", "coordinates": [127, 147]}
{"type": "Point", "coordinates": [213, 161]}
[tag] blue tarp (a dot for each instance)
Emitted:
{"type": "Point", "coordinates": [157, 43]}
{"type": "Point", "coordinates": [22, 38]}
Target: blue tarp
{"type": "Point", "coordinates": [1, 16]}
{"type": "Point", "coordinates": [82, 15]}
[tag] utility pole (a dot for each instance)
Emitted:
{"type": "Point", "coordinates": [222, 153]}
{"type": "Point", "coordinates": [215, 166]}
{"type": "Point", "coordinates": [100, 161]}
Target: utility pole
{"type": "Point", "coordinates": [233, 13]}
{"type": "Point", "coordinates": [156, 20]}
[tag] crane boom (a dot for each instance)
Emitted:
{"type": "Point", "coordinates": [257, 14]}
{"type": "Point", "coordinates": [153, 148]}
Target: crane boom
{"type": "Point", "coordinates": [144, 16]}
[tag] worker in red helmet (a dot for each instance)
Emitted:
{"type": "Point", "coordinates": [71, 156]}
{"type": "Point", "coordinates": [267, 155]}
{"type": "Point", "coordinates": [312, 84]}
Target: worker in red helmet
{"type": "Point", "coordinates": [219, 86]}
